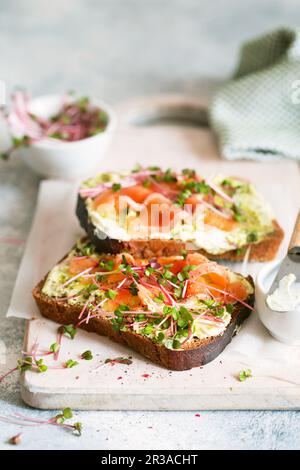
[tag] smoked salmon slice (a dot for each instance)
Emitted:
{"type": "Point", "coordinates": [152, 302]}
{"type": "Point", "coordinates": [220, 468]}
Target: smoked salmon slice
{"type": "Point", "coordinates": [123, 297]}
{"type": "Point", "coordinates": [105, 197]}
{"type": "Point", "coordinates": [216, 220]}
{"type": "Point", "coordinates": [77, 265]}
{"type": "Point", "coordinates": [238, 290]}
{"type": "Point", "coordinates": [137, 193]}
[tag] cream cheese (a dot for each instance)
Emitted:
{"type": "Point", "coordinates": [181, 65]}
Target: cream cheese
{"type": "Point", "coordinates": [204, 329]}
{"type": "Point", "coordinates": [287, 297]}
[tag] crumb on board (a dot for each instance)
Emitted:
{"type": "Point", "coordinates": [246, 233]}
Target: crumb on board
{"type": "Point", "coordinates": [146, 376]}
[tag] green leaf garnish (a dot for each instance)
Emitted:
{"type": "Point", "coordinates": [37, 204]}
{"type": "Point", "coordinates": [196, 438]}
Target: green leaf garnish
{"type": "Point", "coordinates": [252, 237]}
{"type": "Point", "coordinates": [159, 298]}
{"type": "Point", "coordinates": [133, 289]}
{"type": "Point", "coordinates": [153, 168]}
{"type": "Point", "coordinates": [188, 172]}
{"type": "Point", "coordinates": [197, 187]}
{"type": "Point", "coordinates": [184, 253]}
{"type": "Point", "coordinates": [185, 314]}
{"type": "Point", "coordinates": [146, 183]}
{"type": "Point", "coordinates": [107, 265]}
{"type": "Point", "coordinates": [166, 274]}
{"type": "Point", "coordinates": [238, 215]}
{"type": "Point", "coordinates": [88, 289]}
{"type": "Point", "coordinates": [111, 294]}
{"type": "Point", "coordinates": [178, 292]}
{"type": "Point", "coordinates": [118, 360]}
{"type": "Point", "coordinates": [41, 366]}
{"type": "Point", "coordinates": [54, 347]}
{"type": "Point", "coordinates": [116, 187]}
{"type": "Point", "coordinates": [115, 324]}
{"type": "Point", "coordinates": [87, 355]}
{"type": "Point", "coordinates": [70, 363]}
{"type": "Point", "coordinates": [68, 413]}
{"type": "Point", "coordinates": [122, 308]}
{"type": "Point", "coordinates": [229, 308]}
{"type": "Point", "coordinates": [185, 194]}
{"type": "Point", "coordinates": [137, 168]}
{"type": "Point", "coordinates": [83, 103]}
{"type": "Point", "coordinates": [87, 250]}
{"type": "Point", "coordinates": [147, 330]}
{"type": "Point", "coordinates": [176, 344]}
{"type": "Point", "coordinates": [17, 142]}
{"type": "Point", "coordinates": [78, 428]}
{"type": "Point", "coordinates": [169, 176]}
{"type": "Point", "coordinates": [68, 330]}
{"type": "Point", "coordinates": [25, 363]}
{"type": "Point", "coordinates": [160, 337]}
{"type": "Point", "coordinates": [149, 271]}
{"type": "Point", "coordinates": [245, 374]}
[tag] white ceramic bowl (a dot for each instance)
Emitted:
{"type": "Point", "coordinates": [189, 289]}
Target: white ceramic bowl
{"type": "Point", "coordinates": [67, 160]}
{"type": "Point", "coordinates": [283, 326]}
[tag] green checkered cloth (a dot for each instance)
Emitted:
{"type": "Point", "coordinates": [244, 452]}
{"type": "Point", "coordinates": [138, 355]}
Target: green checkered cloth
{"type": "Point", "coordinates": [257, 114]}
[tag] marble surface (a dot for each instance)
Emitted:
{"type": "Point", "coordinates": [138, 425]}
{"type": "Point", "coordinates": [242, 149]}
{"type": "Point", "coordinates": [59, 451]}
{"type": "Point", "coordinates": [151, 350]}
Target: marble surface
{"type": "Point", "coordinates": [117, 49]}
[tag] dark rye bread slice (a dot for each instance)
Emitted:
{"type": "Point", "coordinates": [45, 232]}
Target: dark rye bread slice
{"type": "Point", "coordinates": [195, 354]}
{"type": "Point", "coordinates": [263, 251]}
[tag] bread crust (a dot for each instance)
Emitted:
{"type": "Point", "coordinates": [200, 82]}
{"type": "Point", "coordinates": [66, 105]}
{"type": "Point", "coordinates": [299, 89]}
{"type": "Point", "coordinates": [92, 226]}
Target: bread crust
{"type": "Point", "coordinates": [263, 251]}
{"type": "Point", "coordinates": [195, 354]}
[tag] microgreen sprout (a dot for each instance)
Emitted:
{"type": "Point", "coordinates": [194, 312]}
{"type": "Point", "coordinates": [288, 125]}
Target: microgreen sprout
{"type": "Point", "coordinates": [119, 360]}
{"type": "Point", "coordinates": [41, 366]}
{"type": "Point", "coordinates": [68, 330]}
{"type": "Point", "coordinates": [116, 187]}
{"type": "Point", "coordinates": [70, 363]}
{"type": "Point", "coordinates": [137, 168]}
{"type": "Point", "coordinates": [188, 173]}
{"type": "Point", "coordinates": [106, 265]}
{"type": "Point", "coordinates": [87, 355]}
{"type": "Point", "coordinates": [159, 298]}
{"type": "Point", "coordinates": [58, 420]}
{"type": "Point", "coordinates": [25, 363]}
{"type": "Point", "coordinates": [245, 374]}
{"type": "Point", "coordinates": [87, 250]}
{"type": "Point", "coordinates": [54, 347]}
{"type": "Point", "coordinates": [183, 196]}
{"type": "Point", "coordinates": [149, 270]}
{"type": "Point", "coordinates": [252, 237]}
{"type": "Point", "coordinates": [16, 142]}
{"type": "Point", "coordinates": [169, 176]}
{"type": "Point", "coordinates": [133, 289]}
{"type": "Point", "coordinates": [75, 120]}
{"type": "Point", "coordinates": [67, 413]}
{"type": "Point", "coordinates": [78, 428]}
{"type": "Point", "coordinates": [238, 215]}
{"type": "Point", "coordinates": [111, 294]}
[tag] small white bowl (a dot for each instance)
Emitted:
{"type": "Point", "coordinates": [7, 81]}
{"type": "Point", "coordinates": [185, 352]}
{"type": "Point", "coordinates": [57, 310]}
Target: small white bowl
{"type": "Point", "coordinates": [283, 326]}
{"type": "Point", "coordinates": [67, 160]}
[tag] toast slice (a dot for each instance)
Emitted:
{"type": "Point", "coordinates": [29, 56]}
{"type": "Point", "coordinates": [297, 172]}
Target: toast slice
{"type": "Point", "coordinates": [179, 312]}
{"type": "Point", "coordinates": [155, 213]}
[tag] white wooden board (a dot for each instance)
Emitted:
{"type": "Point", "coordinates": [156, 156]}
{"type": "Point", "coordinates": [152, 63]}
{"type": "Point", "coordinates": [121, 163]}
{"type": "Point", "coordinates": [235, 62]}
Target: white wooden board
{"type": "Point", "coordinates": [143, 385]}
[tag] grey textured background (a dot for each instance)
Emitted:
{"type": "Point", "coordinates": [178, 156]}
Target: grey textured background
{"type": "Point", "coordinates": [116, 49]}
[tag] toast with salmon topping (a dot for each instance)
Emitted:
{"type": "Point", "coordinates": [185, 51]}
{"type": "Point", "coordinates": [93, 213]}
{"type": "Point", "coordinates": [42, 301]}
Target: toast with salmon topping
{"type": "Point", "coordinates": [151, 212]}
{"type": "Point", "coordinates": [178, 311]}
